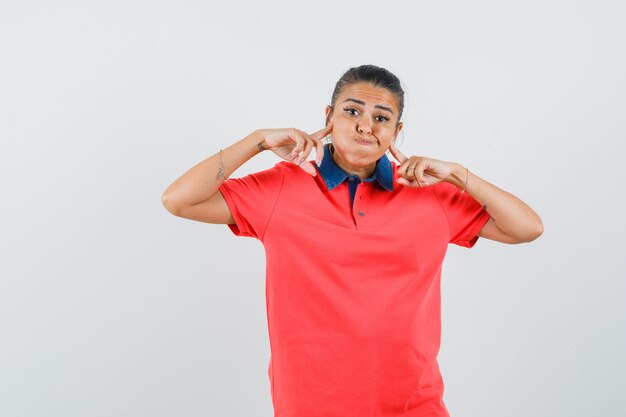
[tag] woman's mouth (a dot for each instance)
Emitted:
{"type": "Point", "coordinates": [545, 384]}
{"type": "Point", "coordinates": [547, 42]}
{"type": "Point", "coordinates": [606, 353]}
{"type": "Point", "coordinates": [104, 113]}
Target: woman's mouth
{"type": "Point", "coordinates": [365, 142]}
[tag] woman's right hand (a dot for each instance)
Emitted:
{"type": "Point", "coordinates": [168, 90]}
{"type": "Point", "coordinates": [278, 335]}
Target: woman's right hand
{"type": "Point", "coordinates": [294, 145]}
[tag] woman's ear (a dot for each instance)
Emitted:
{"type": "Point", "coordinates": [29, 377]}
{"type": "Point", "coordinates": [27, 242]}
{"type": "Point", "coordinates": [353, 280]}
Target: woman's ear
{"type": "Point", "coordinates": [398, 129]}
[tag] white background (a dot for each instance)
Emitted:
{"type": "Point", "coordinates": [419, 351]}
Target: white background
{"type": "Point", "coordinates": [111, 306]}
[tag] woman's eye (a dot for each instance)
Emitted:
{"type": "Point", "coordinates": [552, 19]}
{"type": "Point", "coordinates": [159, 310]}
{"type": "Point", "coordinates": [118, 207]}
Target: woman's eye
{"type": "Point", "coordinates": [380, 117]}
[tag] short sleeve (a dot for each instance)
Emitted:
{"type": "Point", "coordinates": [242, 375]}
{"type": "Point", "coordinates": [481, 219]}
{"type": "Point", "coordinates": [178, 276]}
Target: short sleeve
{"type": "Point", "coordinates": [466, 217]}
{"type": "Point", "coordinates": [251, 200]}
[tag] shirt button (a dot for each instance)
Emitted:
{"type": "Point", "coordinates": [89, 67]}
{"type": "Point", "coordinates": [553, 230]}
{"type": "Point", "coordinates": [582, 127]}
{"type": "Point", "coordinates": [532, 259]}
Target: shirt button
{"type": "Point", "coordinates": [361, 213]}
{"type": "Point", "coordinates": [350, 179]}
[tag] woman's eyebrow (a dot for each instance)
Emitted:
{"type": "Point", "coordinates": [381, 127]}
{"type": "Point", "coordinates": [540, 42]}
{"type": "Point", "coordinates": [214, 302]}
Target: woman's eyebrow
{"type": "Point", "coordinates": [362, 103]}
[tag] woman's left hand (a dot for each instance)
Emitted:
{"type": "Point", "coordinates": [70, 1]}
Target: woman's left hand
{"type": "Point", "coordinates": [419, 171]}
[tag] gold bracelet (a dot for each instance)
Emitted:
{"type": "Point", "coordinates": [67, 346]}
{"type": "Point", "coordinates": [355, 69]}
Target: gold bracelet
{"type": "Point", "coordinates": [466, 177]}
{"type": "Point", "coordinates": [220, 174]}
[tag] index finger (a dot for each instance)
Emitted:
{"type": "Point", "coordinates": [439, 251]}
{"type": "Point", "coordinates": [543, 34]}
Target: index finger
{"type": "Point", "coordinates": [319, 135]}
{"type": "Point", "coordinates": [397, 154]}
{"type": "Point", "coordinates": [317, 138]}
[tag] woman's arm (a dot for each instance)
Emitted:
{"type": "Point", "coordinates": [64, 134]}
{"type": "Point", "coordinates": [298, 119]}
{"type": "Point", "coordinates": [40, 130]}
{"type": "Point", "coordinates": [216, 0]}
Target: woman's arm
{"type": "Point", "coordinates": [200, 184]}
{"type": "Point", "coordinates": [195, 194]}
{"type": "Point", "coordinates": [512, 220]}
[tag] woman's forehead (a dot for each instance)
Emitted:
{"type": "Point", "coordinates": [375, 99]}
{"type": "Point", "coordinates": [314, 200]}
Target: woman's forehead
{"type": "Point", "coordinates": [368, 93]}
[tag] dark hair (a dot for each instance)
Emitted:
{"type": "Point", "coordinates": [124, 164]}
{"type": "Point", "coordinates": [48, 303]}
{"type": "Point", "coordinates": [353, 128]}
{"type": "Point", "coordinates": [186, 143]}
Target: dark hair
{"type": "Point", "coordinates": [377, 76]}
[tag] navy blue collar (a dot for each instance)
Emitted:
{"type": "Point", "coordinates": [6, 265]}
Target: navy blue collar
{"type": "Point", "coordinates": [333, 174]}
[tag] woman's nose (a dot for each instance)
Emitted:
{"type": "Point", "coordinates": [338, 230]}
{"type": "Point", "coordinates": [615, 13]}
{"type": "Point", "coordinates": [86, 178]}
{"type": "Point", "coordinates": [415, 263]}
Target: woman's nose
{"type": "Point", "coordinates": [365, 127]}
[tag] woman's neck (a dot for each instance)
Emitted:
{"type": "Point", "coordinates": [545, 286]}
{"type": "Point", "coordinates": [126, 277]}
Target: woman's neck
{"type": "Point", "coordinates": [363, 173]}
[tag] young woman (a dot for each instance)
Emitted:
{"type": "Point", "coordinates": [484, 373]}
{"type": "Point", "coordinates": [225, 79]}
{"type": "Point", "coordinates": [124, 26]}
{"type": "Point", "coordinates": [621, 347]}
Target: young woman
{"type": "Point", "coordinates": [354, 245]}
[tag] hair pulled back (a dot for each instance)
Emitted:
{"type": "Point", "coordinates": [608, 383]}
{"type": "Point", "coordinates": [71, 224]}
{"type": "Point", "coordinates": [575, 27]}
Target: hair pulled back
{"type": "Point", "coordinates": [377, 76]}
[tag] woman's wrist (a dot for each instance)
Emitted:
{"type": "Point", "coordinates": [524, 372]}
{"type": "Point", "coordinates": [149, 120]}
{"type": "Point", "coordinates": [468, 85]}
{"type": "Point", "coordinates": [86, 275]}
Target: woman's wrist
{"type": "Point", "coordinates": [458, 175]}
{"type": "Point", "coordinates": [258, 138]}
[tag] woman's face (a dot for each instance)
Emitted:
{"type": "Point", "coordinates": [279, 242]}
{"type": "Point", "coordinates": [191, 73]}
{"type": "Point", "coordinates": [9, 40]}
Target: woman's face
{"type": "Point", "coordinates": [364, 124]}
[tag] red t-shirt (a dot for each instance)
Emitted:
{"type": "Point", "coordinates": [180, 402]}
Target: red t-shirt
{"type": "Point", "coordinates": [353, 294]}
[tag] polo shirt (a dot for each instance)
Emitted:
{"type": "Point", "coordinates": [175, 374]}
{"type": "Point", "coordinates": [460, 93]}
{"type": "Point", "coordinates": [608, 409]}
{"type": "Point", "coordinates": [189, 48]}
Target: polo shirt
{"type": "Point", "coordinates": [333, 174]}
{"type": "Point", "coordinates": [353, 296]}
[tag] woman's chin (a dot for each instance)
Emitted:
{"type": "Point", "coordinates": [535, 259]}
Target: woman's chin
{"type": "Point", "coordinates": [362, 158]}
